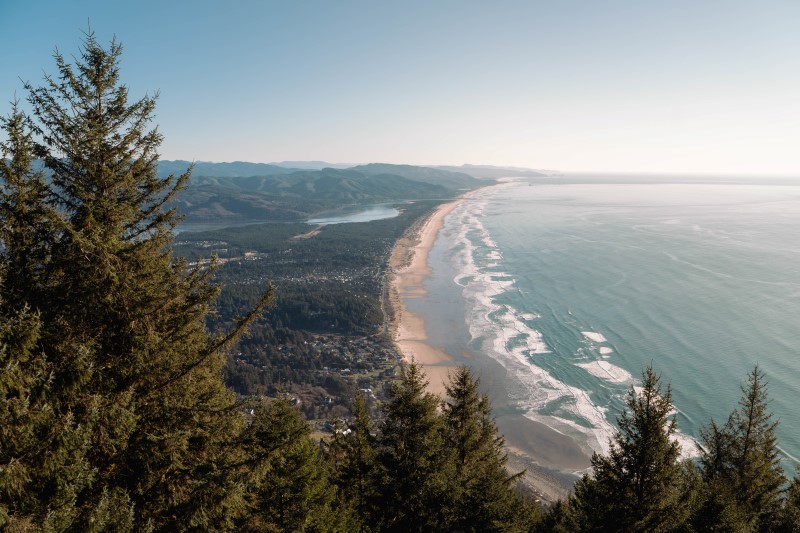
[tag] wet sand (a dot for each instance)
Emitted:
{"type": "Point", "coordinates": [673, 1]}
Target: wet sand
{"type": "Point", "coordinates": [548, 457]}
{"type": "Point", "coordinates": [409, 269]}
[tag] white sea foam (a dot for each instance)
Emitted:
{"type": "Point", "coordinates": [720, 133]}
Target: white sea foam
{"type": "Point", "coordinates": [506, 335]}
{"type": "Point", "coordinates": [606, 371]}
{"type": "Point", "coordinates": [688, 445]}
{"type": "Point", "coordinates": [596, 337]}
{"type": "Point", "coordinates": [511, 342]}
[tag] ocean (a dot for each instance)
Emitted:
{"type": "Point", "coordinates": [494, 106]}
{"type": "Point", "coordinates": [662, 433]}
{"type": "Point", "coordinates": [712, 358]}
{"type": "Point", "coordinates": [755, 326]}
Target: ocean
{"type": "Point", "coordinates": [567, 289]}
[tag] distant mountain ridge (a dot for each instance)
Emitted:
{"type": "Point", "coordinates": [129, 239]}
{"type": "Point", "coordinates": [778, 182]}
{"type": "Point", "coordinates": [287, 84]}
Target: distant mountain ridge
{"type": "Point", "coordinates": [260, 191]}
{"type": "Point", "coordinates": [493, 172]}
{"type": "Point", "coordinates": [272, 192]}
{"type": "Point", "coordinates": [245, 169]}
{"type": "Point", "coordinates": [312, 165]}
{"type": "Point", "coordinates": [445, 178]}
{"type": "Point", "coordinates": [347, 185]}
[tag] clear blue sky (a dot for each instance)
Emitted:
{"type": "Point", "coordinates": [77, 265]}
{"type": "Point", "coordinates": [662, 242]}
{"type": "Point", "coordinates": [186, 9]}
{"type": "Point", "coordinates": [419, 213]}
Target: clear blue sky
{"type": "Point", "coordinates": [640, 85]}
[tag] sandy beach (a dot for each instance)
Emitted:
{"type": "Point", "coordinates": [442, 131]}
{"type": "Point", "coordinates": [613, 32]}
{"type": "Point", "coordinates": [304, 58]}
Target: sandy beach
{"type": "Point", "coordinates": [409, 269]}
{"type": "Point", "coordinates": [546, 455]}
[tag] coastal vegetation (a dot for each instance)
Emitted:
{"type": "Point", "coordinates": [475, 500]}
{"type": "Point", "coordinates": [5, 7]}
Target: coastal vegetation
{"type": "Point", "coordinates": [294, 195]}
{"type": "Point", "coordinates": [325, 334]}
{"type": "Point", "coordinates": [113, 411]}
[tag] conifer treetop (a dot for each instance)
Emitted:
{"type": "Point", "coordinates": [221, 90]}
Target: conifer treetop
{"type": "Point", "coordinates": [101, 149]}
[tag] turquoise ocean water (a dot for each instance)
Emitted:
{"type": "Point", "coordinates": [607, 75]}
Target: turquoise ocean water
{"type": "Point", "coordinates": [573, 287]}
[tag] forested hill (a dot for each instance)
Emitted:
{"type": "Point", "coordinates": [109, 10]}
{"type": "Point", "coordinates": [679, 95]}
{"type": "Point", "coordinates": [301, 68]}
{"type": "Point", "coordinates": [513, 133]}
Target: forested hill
{"type": "Point", "coordinates": [219, 191]}
{"type": "Point", "coordinates": [445, 178]}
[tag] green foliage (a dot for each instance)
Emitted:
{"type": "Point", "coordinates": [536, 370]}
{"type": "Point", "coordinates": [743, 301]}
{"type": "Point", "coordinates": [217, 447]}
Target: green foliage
{"type": "Point", "coordinates": [640, 485]}
{"type": "Point", "coordinates": [429, 469]}
{"type": "Point", "coordinates": [741, 462]}
{"type": "Point", "coordinates": [23, 208]}
{"type": "Point", "coordinates": [352, 454]}
{"type": "Point", "coordinates": [46, 440]}
{"type": "Point", "coordinates": [560, 518]}
{"type": "Point", "coordinates": [445, 178]}
{"type": "Point", "coordinates": [482, 495]}
{"type": "Point", "coordinates": [739, 485]}
{"type": "Point", "coordinates": [288, 488]}
{"type": "Point", "coordinates": [128, 417]}
{"type": "Point", "coordinates": [299, 194]}
{"type": "Point", "coordinates": [789, 518]}
{"type": "Point", "coordinates": [415, 464]}
{"type": "Point", "coordinates": [28, 428]}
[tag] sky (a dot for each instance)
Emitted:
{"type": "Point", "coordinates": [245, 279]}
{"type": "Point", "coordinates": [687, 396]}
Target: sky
{"type": "Point", "coordinates": [608, 86]}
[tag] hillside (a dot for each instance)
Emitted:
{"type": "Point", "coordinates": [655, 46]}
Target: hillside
{"type": "Point", "coordinates": [454, 180]}
{"type": "Point", "coordinates": [297, 194]}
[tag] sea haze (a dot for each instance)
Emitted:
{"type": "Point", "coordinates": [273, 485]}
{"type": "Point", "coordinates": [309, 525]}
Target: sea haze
{"type": "Point", "coordinates": [573, 288]}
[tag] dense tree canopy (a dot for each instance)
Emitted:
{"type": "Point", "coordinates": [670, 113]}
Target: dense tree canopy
{"type": "Point", "coordinates": [737, 483]}
{"type": "Point", "coordinates": [127, 374]}
{"type": "Point", "coordinates": [740, 461]}
{"type": "Point", "coordinates": [415, 464]}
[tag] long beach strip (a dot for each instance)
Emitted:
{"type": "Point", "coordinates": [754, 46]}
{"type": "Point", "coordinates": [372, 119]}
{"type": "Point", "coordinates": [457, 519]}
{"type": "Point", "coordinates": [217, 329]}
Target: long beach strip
{"type": "Point", "coordinates": [408, 271]}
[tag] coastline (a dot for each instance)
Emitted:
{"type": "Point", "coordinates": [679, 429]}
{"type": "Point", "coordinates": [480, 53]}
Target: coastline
{"type": "Point", "coordinates": [408, 270]}
{"type": "Point", "coordinates": [544, 454]}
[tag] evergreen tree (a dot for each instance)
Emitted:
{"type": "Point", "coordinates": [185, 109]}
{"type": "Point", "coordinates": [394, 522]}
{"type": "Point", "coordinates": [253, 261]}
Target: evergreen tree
{"type": "Point", "coordinates": [28, 430]}
{"type": "Point", "coordinates": [288, 489]}
{"type": "Point", "coordinates": [352, 453]}
{"type": "Point", "coordinates": [740, 461]}
{"type": "Point", "coordinates": [559, 518]}
{"type": "Point", "coordinates": [44, 451]}
{"type": "Point", "coordinates": [129, 363]}
{"type": "Point", "coordinates": [482, 493]}
{"type": "Point", "coordinates": [27, 216]}
{"type": "Point", "coordinates": [640, 485]}
{"type": "Point", "coordinates": [415, 464]}
{"type": "Point", "coordinates": [789, 519]}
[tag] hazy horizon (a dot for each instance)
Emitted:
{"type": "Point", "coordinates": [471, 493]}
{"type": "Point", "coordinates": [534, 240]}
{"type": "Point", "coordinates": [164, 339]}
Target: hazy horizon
{"type": "Point", "coordinates": [555, 171]}
{"type": "Point", "coordinates": [579, 86]}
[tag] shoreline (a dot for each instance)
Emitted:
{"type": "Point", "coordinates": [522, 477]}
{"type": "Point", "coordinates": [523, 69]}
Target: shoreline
{"type": "Point", "coordinates": [408, 270]}
{"type": "Point", "coordinates": [545, 455]}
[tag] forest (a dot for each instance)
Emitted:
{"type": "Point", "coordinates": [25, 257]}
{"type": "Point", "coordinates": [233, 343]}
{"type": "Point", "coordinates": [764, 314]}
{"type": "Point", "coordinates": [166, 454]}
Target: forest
{"type": "Point", "coordinates": [328, 291]}
{"type": "Point", "coordinates": [114, 415]}
{"type": "Point", "coordinates": [227, 192]}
